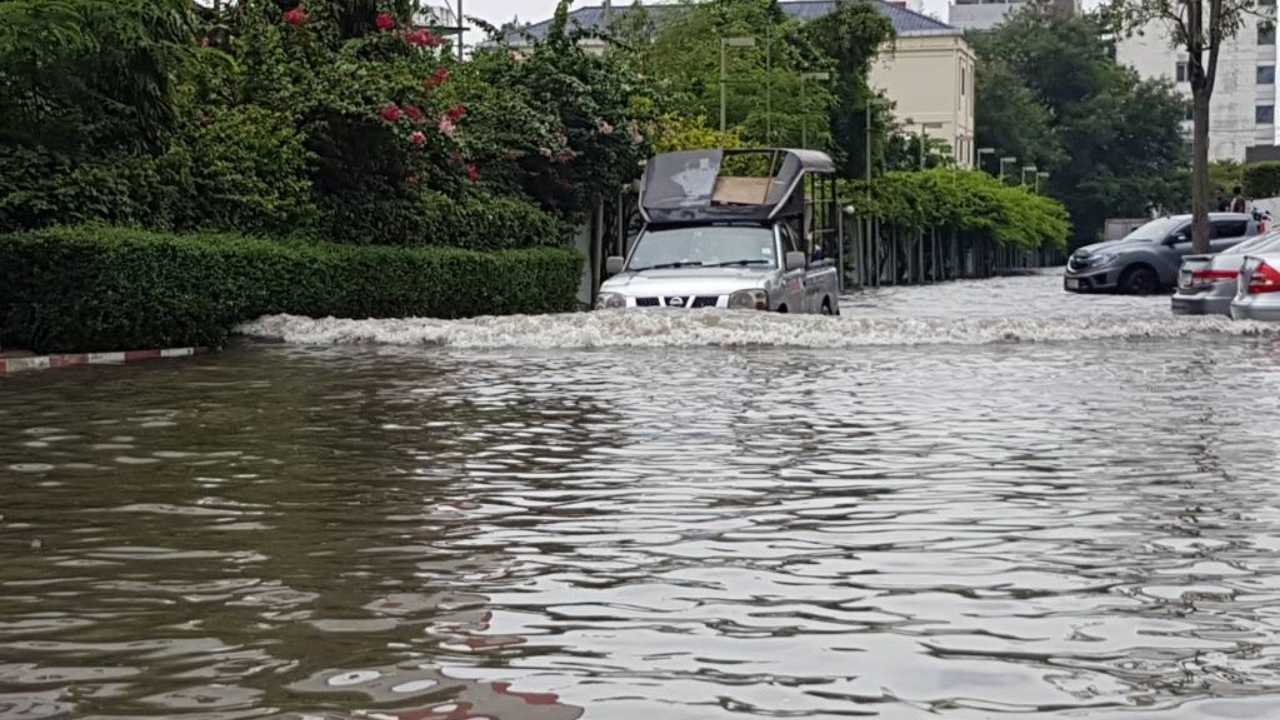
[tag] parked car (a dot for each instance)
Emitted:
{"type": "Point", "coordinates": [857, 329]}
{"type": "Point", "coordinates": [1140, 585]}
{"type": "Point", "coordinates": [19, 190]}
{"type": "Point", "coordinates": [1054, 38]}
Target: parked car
{"type": "Point", "coordinates": [1147, 260]}
{"type": "Point", "coordinates": [1207, 283]}
{"type": "Point", "coordinates": [1258, 291]}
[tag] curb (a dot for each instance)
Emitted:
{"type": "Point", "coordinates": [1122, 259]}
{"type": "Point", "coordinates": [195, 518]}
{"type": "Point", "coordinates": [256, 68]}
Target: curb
{"type": "Point", "coordinates": [9, 366]}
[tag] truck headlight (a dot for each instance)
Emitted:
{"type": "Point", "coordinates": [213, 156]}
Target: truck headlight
{"type": "Point", "coordinates": [608, 300]}
{"type": "Point", "coordinates": [749, 300]}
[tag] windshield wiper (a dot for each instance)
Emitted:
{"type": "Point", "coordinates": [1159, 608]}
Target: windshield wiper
{"type": "Point", "coordinates": [667, 266]}
{"type": "Point", "coordinates": [755, 261]}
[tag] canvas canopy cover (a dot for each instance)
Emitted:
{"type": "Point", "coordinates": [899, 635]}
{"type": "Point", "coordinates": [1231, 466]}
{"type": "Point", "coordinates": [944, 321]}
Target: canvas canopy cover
{"type": "Point", "coordinates": [689, 186]}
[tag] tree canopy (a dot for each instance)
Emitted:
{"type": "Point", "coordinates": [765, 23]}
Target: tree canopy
{"type": "Point", "coordinates": [1050, 93]}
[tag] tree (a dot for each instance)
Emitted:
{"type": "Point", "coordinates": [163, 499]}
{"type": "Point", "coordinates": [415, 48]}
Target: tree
{"type": "Point", "coordinates": [678, 53]}
{"type": "Point", "coordinates": [1052, 95]}
{"type": "Point", "coordinates": [1199, 30]}
{"type": "Point", "coordinates": [851, 36]}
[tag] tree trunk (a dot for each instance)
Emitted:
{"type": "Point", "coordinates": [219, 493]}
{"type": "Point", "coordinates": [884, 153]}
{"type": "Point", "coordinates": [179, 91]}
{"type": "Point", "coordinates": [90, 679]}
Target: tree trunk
{"type": "Point", "coordinates": [1200, 172]}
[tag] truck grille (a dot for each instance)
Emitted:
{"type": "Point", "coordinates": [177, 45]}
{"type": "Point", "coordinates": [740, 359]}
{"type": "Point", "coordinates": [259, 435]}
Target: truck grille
{"type": "Point", "coordinates": [682, 301]}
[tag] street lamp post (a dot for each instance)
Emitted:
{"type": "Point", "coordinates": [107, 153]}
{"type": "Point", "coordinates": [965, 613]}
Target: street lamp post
{"type": "Point", "coordinates": [804, 108]}
{"type": "Point", "coordinates": [1006, 160]}
{"type": "Point", "coordinates": [982, 152]}
{"type": "Point", "coordinates": [726, 42]}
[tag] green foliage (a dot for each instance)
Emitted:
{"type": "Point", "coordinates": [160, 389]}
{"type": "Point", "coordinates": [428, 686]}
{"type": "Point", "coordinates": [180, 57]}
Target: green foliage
{"type": "Point", "coordinates": [971, 202]}
{"type": "Point", "coordinates": [244, 168]}
{"type": "Point", "coordinates": [672, 133]}
{"type": "Point", "coordinates": [1224, 177]}
{"type": "Point", "coordinates": [473, 221]}
{"type": "Point", "coordinates": [851, 36]}
{"type": "Point", "coordinates": [88, 288]}
{"type": "Point", "coordinates": [1051, 94]}
{"type": "Point", "coordinates": [1261, 180]}
{"type": "Point", "coordinates": [678, 53]}
{"type": "Point", "coordinates": [80, 73]}
{"type": "Point", "coordinates": [580, 116]}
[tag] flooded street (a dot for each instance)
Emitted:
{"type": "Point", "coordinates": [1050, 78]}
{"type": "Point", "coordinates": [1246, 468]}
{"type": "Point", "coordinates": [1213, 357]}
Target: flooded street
{"type": "Point", "coordinates": [976, 500]}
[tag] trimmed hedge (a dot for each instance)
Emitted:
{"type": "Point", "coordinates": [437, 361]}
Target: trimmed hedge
{"type": "Point", "coordinates": [96, 288]}
{"type": "Point", "coordinates": [1261, 180]}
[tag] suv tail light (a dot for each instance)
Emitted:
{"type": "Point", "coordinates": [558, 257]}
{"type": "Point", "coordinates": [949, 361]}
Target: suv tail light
{"type": "Point", "coordinates": [1265, 279]}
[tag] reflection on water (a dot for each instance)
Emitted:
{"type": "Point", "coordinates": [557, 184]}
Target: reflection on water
{"type": "Point", "coordinates": [1057, 529]}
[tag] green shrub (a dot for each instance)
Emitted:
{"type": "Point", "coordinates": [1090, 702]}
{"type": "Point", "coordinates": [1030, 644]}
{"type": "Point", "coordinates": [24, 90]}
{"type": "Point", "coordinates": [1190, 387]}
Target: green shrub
{"type": "Point", "coordinates": [475, 222]}
{"type": "Point", "coordinates": [93, 288]}
{"type": "Point", "coordinates": [1262, 180]}
{"type": "Point", "coordinates": [969, 201]}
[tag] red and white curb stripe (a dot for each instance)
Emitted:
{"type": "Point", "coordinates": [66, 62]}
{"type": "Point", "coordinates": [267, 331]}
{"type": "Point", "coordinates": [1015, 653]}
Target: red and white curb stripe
{"type": "Point", "coordinates": [8, 366]}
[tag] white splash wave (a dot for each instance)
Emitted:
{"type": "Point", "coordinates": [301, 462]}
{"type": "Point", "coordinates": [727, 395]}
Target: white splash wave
{"type": "Point", "coordinates": [676, 328]}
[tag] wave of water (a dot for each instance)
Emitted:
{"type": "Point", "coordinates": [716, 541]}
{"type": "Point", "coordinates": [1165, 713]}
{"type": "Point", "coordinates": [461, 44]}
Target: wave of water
{"type": "Point", "coordinates": [676, 328]}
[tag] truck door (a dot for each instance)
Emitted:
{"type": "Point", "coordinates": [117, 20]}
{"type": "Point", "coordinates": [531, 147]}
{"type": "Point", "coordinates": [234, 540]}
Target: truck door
{"type": "Point", "coordinates": [793, 281]}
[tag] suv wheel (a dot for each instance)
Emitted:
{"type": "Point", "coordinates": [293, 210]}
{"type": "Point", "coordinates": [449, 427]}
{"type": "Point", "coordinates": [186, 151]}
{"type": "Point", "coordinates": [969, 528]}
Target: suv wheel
{"type": "Point", "coordinates": [1139, 280]}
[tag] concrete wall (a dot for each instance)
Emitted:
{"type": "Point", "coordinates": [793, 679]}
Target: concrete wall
{"type": "Point", "coordinates": [1237, 93]}
{"type": "Point", "coordinates": [930, 80]}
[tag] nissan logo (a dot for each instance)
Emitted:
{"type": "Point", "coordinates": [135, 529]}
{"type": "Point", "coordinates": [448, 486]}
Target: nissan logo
{"type": "Point", "coordinates": [675, 302]}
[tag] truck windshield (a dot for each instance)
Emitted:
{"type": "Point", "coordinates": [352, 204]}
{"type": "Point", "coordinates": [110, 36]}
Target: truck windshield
{"type": "Point", "coordinates": [704, 246]}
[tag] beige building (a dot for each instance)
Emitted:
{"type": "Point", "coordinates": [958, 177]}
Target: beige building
{"type": "Point", "coordinates": [929, 77]}
{"type": "Point", "coordinates": [927, 71]}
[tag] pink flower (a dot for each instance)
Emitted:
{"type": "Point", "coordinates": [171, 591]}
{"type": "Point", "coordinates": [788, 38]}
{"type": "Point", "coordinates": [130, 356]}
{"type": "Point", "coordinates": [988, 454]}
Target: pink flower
{"type": "Point", "coordinates": [415, 113]}
{"type": "Point", "coordinates": [438, 78]}
{"type": "Point", "coordinates": [604, 127]}
{"type": "Point", "coordinates": [423, 37]}
{"type": "Point", "coordinates": [473, 173]}
{"type": "Point", "coordinates": [296, 16]}
{"type": "Point", "coordinates": [446, 126]}
{"type": "Point", "coordinates": [412, 180]}
{"type": "Point", "coordinates": [456, 113]}
{"type": "Point", "coordinates": [391, 113]}
{"type": "Point", "coordinates": [417, 138]}
{"type": "Point", "coordinates": [386, 21]}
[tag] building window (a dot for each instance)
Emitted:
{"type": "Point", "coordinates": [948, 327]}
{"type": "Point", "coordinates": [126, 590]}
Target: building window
{"type": "Point", "coordinates": [1264, 114]}
{"type": "Point", "coordinates": [1266, 74]}
{"type": "Point", "coordinates": [1181, 72]}
{"type": "Point", "coordinates": [1266, 33]}
{"type": "Point", "coordinates": [964, 80]}
{"type": "Point", "coordinates": [1190, 114]}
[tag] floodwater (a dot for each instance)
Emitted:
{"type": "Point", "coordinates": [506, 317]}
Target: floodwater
{"type": "Point", "coordinates": [975, 500]}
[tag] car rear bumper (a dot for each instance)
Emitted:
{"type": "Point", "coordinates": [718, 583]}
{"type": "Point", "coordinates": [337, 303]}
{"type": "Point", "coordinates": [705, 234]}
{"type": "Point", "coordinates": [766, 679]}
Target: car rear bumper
{"type": "Point", "coordinates": [1251, 308]}
{"type": "Point", "coordinates": [1200, 305]}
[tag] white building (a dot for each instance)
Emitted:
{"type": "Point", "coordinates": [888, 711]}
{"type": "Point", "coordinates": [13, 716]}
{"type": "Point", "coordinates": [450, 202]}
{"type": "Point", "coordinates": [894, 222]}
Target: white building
{"type": "Point", "coordinates": [986, 14]}
{"type": "Point", "coordinates": [1242, 112]}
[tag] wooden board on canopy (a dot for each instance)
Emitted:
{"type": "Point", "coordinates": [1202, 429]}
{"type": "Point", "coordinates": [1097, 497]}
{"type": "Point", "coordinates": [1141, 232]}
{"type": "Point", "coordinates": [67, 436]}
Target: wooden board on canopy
{"type": "Point", "coordinates": [741, 190]}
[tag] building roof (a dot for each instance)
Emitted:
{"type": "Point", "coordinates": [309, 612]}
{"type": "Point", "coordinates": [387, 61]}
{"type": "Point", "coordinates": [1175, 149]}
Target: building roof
{"type": "Point", "coordinates": [906, 22]}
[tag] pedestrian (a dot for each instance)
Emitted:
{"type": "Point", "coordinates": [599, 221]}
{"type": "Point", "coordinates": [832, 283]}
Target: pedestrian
{"type": "Point", "coordinates": [1237, 201]}
{"type": "Point", "coordinates": [1222, 203]}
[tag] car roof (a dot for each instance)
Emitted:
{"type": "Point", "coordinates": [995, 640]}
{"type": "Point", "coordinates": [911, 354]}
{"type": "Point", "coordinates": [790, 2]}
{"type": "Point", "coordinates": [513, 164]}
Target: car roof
{"type": "Point", "coordinates": [1216, 216]}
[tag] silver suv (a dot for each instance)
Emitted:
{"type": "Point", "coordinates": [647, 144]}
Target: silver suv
{"type": "Point", "coordinates": [1147, 259]}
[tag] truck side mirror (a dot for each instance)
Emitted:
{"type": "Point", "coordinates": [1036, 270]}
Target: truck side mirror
{"type": "Point", "coordinates": [795, 260]}
{"type": "Point", "coordinates": [613, 265]}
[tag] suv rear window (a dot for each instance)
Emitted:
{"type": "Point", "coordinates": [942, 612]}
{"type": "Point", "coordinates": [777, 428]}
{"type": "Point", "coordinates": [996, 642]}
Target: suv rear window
{"type": "Point", "coordinates": [1229, 228]}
